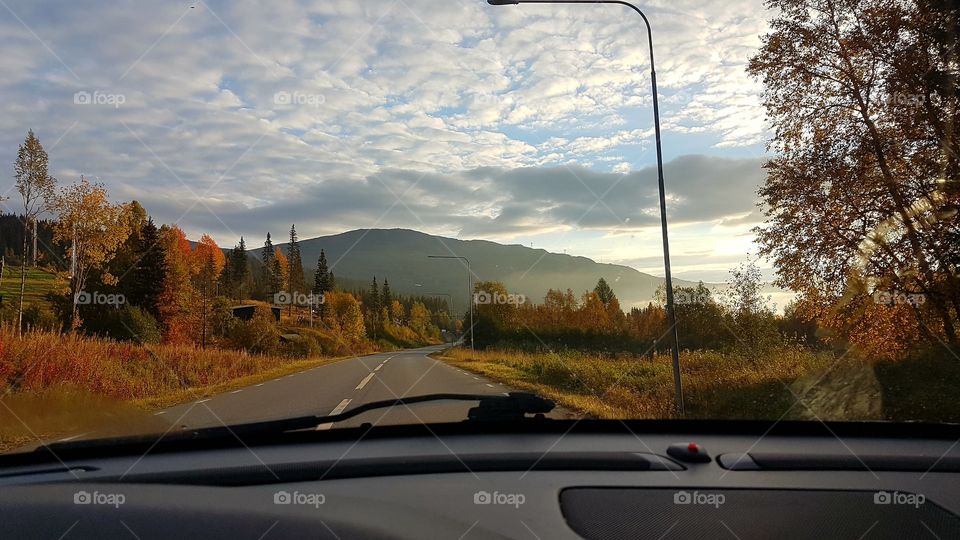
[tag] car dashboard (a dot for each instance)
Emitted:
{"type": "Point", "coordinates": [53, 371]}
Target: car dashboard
{"type": "Point", "coordinates": [565, 481]}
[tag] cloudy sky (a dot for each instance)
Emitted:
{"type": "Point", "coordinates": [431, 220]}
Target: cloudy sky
{"type": "Point", "coordinates": [521, 124]}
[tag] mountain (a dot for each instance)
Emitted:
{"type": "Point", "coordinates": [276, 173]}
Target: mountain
{"type": "Point", "coordinates": [400, 255]}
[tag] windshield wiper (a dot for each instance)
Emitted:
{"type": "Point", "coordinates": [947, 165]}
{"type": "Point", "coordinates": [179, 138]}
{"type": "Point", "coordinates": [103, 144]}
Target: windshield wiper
{"type": "Point", "coordinates": [513, 406]}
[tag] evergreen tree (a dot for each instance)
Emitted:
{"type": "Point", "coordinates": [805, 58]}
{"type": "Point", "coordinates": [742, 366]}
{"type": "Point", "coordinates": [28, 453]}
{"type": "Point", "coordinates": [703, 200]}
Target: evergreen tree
{"type": "Point", "coordinates": [236, 274]}
{"type": "Point", "coordinates": [323, 278]}
{"type": "Point", "coordinates": [386, 297]}
{"type": "Point", "coordinates": [295, 277]}
{"type": "Point", "coordinates": [267, 255]}
{"type": "Point", "coordinates": [604, 292]}
{"type": "Point", "coordinates": [374, 302]}
{"type": "Point", "coordinates": [151, 270]}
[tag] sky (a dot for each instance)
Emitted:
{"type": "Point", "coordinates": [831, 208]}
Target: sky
{"type": "Point", "coordinates": [523, 124]}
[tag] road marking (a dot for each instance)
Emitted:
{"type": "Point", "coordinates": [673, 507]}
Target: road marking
{"type": "Point", "coordinates": [476, 378]}
{"type": "Point", "coordinates": [378, 367]}
{"type": "Point", "coordinates": [261, 384]}
{"type": "Point", "coordinates": [237, 391]}
{"type": "Point", "coordinates": [71, 438]}
{"type": "Point", "coordinates": [364, 381]}
{"type": "Point", "coordinates": [158, 413]}
{"type": "Point", "coordinates": [387, 360]}
{"type": "Point", "coordinates": [336, 410]}
{"type": "Point", "coordinates": [490, 385]}
{"type": "Point", "coordinates": [204, 400]}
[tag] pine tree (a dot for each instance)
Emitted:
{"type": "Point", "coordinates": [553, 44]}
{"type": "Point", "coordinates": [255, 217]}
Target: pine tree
{"type": "Point", "coordinates": [295, 277]}
{"type": "Point", "coordinates": [375, 296]}
{"type": "Point", "coordinates": [151, 270]}
{"type": "Point", "coordinates": [237, 273]}
{"type": "Point", "coordinates": [386, 298]}
{"type": "Point", "coordinates": [604, 293]}
{"type": "Point", "coordinates": [267, 255]}
{"type": "Point", "coordinates": [323, 278]}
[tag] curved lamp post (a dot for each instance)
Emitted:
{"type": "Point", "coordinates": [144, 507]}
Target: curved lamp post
{"type": "Point", "coordinates": [671, 312]}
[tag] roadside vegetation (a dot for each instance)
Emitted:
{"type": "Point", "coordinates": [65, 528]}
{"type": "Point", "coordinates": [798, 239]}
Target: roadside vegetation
{"type": "Point", "coordinates": [100, 303]}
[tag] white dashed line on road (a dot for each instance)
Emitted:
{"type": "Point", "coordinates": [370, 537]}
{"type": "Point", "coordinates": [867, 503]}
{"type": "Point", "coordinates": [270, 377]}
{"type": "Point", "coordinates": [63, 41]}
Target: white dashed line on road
{"type": "Point", "coordinates": [237, 391]}
{"type": "Point", "coordinates": [490, 385]}
{"type": "Point", "coordinates": [203, 400]}
{"type": "Point", "coordinates": [378, 367]}
{"type": "Point", "coordinates": [158, 413]}
{"type": "Point", "coordinates": [364, 381]}
{"type": "Point", "coordinates": [336, 410]}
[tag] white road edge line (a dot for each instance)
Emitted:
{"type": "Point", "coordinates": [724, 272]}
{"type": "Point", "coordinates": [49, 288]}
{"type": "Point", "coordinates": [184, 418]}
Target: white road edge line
{"type": "Point", "coordinates": [158, 413]}
{"type": "Point", "coordinates": [490, 385]}
{"type": "Point", "coordinates": [237, 391]}
{"type": "Point", "coordinates": [204, 400]}
{"type": "Point", "coordinates": [336, 410]}
{"type": "Point", "coordinates": [364, 381]}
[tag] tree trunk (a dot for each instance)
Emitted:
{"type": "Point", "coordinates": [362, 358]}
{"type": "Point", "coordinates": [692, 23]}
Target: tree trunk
{"type": "Point", "coordinates": [33, 253]}
{"type": "Point", "coordinates": [23, 281]}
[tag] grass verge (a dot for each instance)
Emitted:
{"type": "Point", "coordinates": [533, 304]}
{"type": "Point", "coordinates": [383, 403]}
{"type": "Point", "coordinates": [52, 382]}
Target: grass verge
{"type": "Point", "coordinates": [716, 385]}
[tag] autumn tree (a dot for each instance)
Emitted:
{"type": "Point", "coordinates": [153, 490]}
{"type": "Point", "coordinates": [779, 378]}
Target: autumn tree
{"type": "Point", "coordinates": [94, 228]}
{"type": "Point", "coordinates": [343, 315]}
{"type": "Point", "coordinates": [176, 302]}
{"type": "Point", "coordinates": [862, 195]}
{"type": "Point", "coordinates": [209, 262]}
{"type": "Point", "coordinates": [36, 188]}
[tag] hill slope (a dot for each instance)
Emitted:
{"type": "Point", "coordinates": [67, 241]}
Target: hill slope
{"type": "Point", "coordinates": [400, 255]}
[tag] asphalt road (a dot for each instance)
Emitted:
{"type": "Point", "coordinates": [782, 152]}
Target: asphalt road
{"type": "Point", "coordinates": [332, 388]}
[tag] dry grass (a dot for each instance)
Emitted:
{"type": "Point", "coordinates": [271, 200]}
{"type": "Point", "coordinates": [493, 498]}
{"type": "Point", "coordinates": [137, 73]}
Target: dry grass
{"type": "Point", "coordinates": [64, 384]}
{"type": "Point", "coordinates": [716, 385]}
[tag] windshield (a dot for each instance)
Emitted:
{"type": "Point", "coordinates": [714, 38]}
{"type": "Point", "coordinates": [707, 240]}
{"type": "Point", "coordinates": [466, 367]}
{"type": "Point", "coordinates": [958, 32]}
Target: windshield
{"type": "Point", "coordinates": [217, 213]}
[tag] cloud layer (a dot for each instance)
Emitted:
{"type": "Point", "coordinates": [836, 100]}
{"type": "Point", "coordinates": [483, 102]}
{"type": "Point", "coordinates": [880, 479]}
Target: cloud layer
{"type": "Point", "coordinates": [449, 116]}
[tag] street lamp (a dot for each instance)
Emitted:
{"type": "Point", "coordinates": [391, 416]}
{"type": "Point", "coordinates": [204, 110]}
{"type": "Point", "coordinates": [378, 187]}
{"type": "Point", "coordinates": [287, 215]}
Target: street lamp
{"type": "Point", "coordinates": [469, 287]}
{"type": "Point", "coordinates": [671, 312]}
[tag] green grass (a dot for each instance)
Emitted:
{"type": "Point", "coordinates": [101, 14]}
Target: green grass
{"type": "Point", "coordinates": [38, 284]}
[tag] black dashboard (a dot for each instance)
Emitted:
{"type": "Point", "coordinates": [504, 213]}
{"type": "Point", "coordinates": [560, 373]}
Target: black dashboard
{"type": "Point", "coordinates": [567, 480]}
